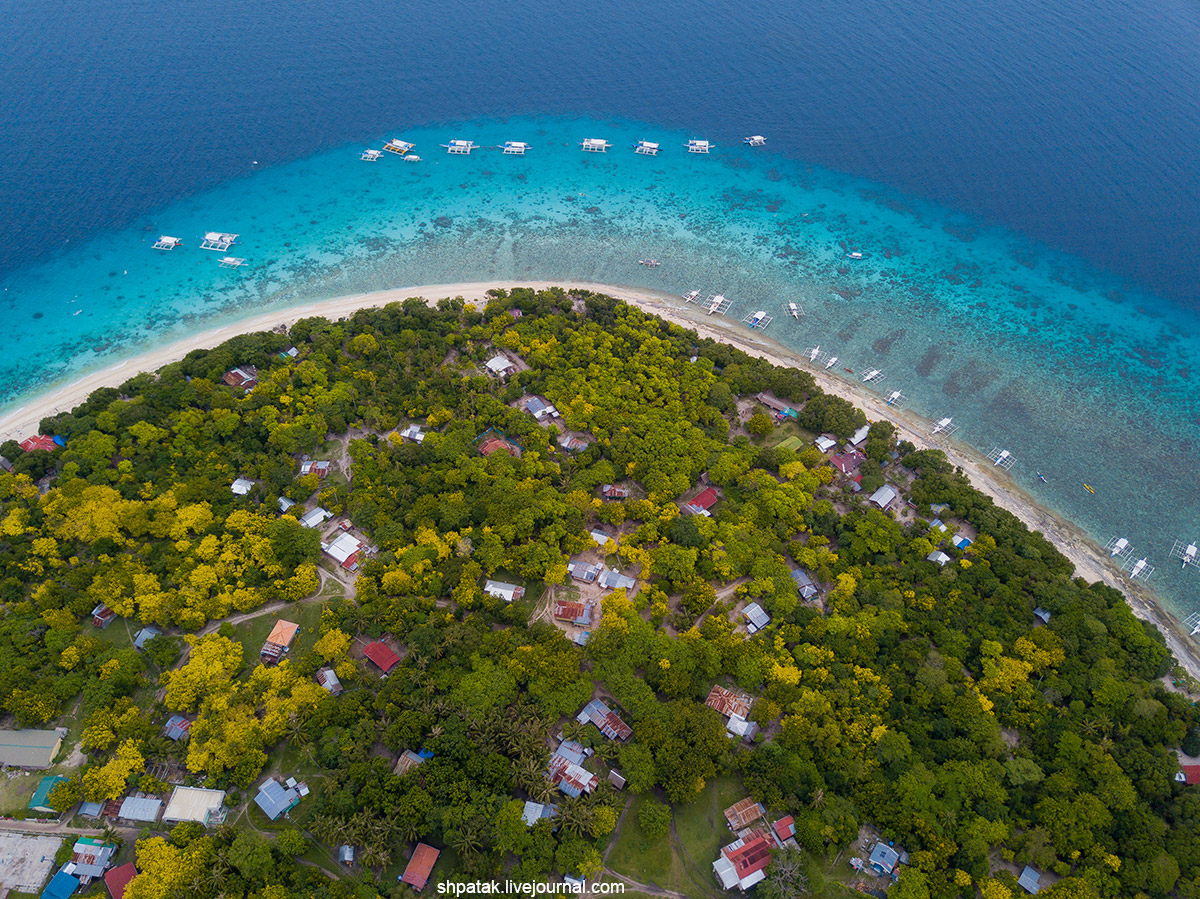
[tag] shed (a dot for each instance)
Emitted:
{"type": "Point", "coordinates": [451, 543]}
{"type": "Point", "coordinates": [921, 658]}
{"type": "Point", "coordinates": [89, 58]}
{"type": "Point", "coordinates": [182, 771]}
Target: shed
{"type": "Point", "coordinates": [500, 366]}
{"type": "Point", "coordinates": [242, 486]}
{"type": "Point", "coordinates": [1029, 880]}
{"type": "Point", "coordinates": [937, 556]}
{"type": "Point", "coordinates": [536, 811]}
{"type": "Point", "coordinates": [617, 779]}
{"type": "Point", "coordinates": [805, 584]}
{"type": "Point", "coordinates": [284, 503]}
{"type": "Point", "coordinates": [739, 727]}
{"type": "Point", "coordinates": [501, 590]}
{"type": "Point", "coordinates": [194, 804]}
{"type": "Point", "coordinates": [382, 655]}
{"type": "Point", "coordinates": [29, 748]}
{"type": "Point", "coordinates": [1042, 615]}
{"type": "Point", "coordinates": [118, 879]}
{"type": "Point", "coordinates": [884, 497]}
{"type": "Point", "coordinates": [103, 616]}
{"type": "Point", "coordinates": [275, 799]}
{"type": "Point", "coordinates": [756, 618]}
{"type": "Point", "coordinates": [61, 886]}
{"type": "Point", "coordinates": [743, 813]}
{"type": "Point", "coordinates": [40, 800]}
{"type": "Point", "coordinates": [409, 760]}
{"type": "Point", "coordinates": [91, 809]}
{"type": "Point", "coordinates": [346, 854]}
{"type": "Point", "coordinates": [825, 443]}
{"type": "Point", "coordinates": [785, 829]}
{"type": "Point", "coordinates": [177, 728]}
{"type": "Point", "coordinates": [328, 679]}
{"type": "Point", "coordinates": [144, 636]}
{"type": "Point", "coordinates": [140, 808]}
{"type": "Point", "coordinates": [315, 518]}
{"type": "Point", "coordinates": [420, 866]}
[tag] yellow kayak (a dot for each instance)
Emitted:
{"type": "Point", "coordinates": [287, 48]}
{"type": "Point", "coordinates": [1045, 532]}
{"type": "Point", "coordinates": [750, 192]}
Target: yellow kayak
{"type": "Point", "coordinates": [1089, 489]}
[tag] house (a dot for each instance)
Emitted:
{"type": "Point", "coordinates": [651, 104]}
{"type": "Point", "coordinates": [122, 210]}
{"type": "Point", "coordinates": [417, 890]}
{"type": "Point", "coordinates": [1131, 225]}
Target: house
{"type": "Point", "coordinates": [937, 525]}
{"type": "Point", "coordinates": [1188, 774]}
{"type": "Point", "coordinates": [729, 702]}
{"type": "Point", "coordinates": [704, 501]}
{"type": "Point", "coordinates": [328, 679]}
{"type": "Point", "coordinates": [345, 854]}
{"type": "Point", "coordinates": [514, 313]}
{"type": "Point", "coordinates": [275, 799]}
{"type": "Point", "coordinates": [494, 443]}
{"type": "Point", "coordinates": [962, 542]}
{"type": "Point", "coordinates": [320, 469]}
{"type": "Point", "coordinates": [611, 579]}
{"type": "Point", "coordinates": [613, 491]}
{"type": "Point", "coordinates": [344, 550]}
{"type": "Point", "coordinates": [501, 590]}
{"type": "Point", "coordinates": [600, 537]}
{"type": "Point", "coordinates": [739, 727]}
{"type": "Point", "coordinates": [617, 779]}
{"type": "Point", "coordinates": [278, 642]}
{"type": "Point", "coordinates": [571, 443]}
{"type": "Point", "coordinates": [413, 433]}
{"type": "Point", "coordinates": [847, 463]}
{"type": "Point", "coordinates": [756, 618]}
{"type": "Point", "coordinates": [884, 858]}
{"type": "Point", "coordinates": [195, 804]}
{"type": "Point", "coordinates": [90, 857]}
{"type": "Point", "coordinates": [39, 442]}
{"type": "Point", "coordinates": [606, 720]}
{"type": "Point", "coordinates": [743, 862]}
{"type": "Point", "coordinates": [860, 436]}
{"type": "Point", "coordinates": [5, 464]}
{"type": "Point", "coordinates": [1029, 880]}
{"type": "Point", "coordinates": [29, 748]}
{"type": "Point", "coordinates": [382, 655]}
{"type": "Point", "coordinates": [884, 497]}
{"type": "Point", "coordinates": [144, 636]}
{"type": "Point", "coordinates": [1042, 615]}
{"type": "Point", "coordinates": [566, 770]}
{"type": "Point", "coordinates": [409, 760]}
{"type": "Point", "coordinates": [61, 885]}
{"type": "Point", "coordinates": [804, 583]}
{"type": "Point", "coordinates": [742, 814]}
{"type": "Point", "coordinates": [784, 830]}
{"type": "Point", "coordinates": [118, 879]}
{"type": "Point", "coordinates": [242, 486]}
{"type": "Point", "coordinates": [315, 518]}
{"type": "Point", "coordinates": [584, 571]}
{"type": "Point", "coordinates": [102, 616]}
{"type": "Point", "coordinates": [143, 809]}
{"type": "Point", "coordinates": [937, 556]}
{"type": "Point", "coordinates": [289, 353]}
{"type": "Point", "coordinates": [539, 408]}
{"type": "Point", "coordinates": [536, 811]}
{"type": "Point", "coordinates": [825, 443]}
{"type": "Point", "coordinates": [40, 800]}
{"type": "Point", "coordinates": [579, 613]}
{"type": "Point", "coordinates": [776, 405]}
{"type": "Point", "coordinates": [500, 366]}
{"type": "Point", "coordinates": [245, 376]}
{"type": "Point", "coordinates": [420, 866]}
{"type": "Point", "coordinates": [177, 728]}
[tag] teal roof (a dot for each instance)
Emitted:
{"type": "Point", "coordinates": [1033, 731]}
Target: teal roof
{"type": "Point", "coordinates": [41, 796]}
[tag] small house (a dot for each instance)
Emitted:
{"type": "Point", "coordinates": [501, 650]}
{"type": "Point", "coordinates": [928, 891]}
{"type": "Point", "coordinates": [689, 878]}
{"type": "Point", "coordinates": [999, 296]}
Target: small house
{"type": "Point", "coordinates": [606, 720]}
{"type": "Point", "coordinates": [884, 497]}
{"type": "Point", "coordinates": [540, 409]}
{"type": "Point", "coordinates": [601, 538]}
{"type": "Point", "coordinates": [289, 353]}
{"type": "Point", "coordinates": [409, 760]}
{"type": "Point", "coordinates": [195, 804]}
{"type": "Point", "coordinates": [578, 613]}
{"type": "Point", "coordinates": [144, 636]}
{"type": "Point", "coordinates": [884, 858]}
{"type": "Point", "coordinates": [804, 584]}
{"type": "Point", "coordinates": [284, 503]}
{"type": "Point", "coordinates": [344, 551]}
{"type": "Point", "coordinates": [490, 443]}
{"type": "Point", "coordinates": [139, 808]}
{"type": "Point", "coordinates": [315, 518]}
{"type": "Point", "coordinates": [420, 866]}
{"type": "Point", "coordinates": [962, 542]}
{"type": "Point", "coordinates": [825, 443]}
{"type": "Point", "coordinates": [319, 468]}
{"type": "Point", "coordinates": [756, 617]}
{"type": "Point", "coordinates": [617, 779]}
{"type": "Point", "coordinates": [244, 376]}
{"type": "Point", "coordinates": [860, 436]}
{"type": "Point", "coordinates": [1188, 774]}
{"type": "Point", "coordinates": [329, 681]}
{"type": "Point", "coordinates": [38, 442]}
{"type": "Point", "coordinates": [177, 728]}
{"type": "Point", "coordinates": [775, 405]}
{"type": "Point", "coordinates": [40, 801]}
{"type": "Point", "coordinates": [275, 799]}
{"type": "Point", "coordinates": [571, 443]}
{"type": "Point", "coordinates": [61, 885]}
{"type": "Point", "coordinates": [242, 486]}
{"type": "Point", "coordinates": [382, 656]}
{"type": "Point", "coordinates": [117, 879]}
{"type": "Point", "coordinates": [102, 616]}
{"type": "Point", "coordinates": [784, 830]}
{"type": "Point", "coordinates": [729, 702]}
{"type": "Point", "coordinates": [611, 579]}
{"type": "Point", "coordinates": [413, 434]}
{"type": "Point", "coordinates": [1042, 615]}
{"type": "Point", "coordinates": [346, 854]}
{"type": "Point", "coordinates": [566, 770]}
{"type": "Point", "coordinates": [742, 814]}
{"type": "Point", "coordinates": [614, 492]}
{"type": "Point", "coordinates": [847, 463]}
{"type": "Point", "coordinates": [501, 590]}
{"type": "Point", "coordinates": [1030, 879]}
{"type": "Point", "coordinates": [938, 556]}
{"type": "Point", "coordinates": [743, 862]}
{"type": "Point", "coordinates": [279, 641]}
{"type": "Point", "coordinates": [536, 811]}
{"type": "Point", "coordinates": [500, 366]}
{"type": "Point", "coordinates": [703, 501]}
{"type": "Point", "coordinates": [739, 727]}
{"type": "Point", "coordinates": [584, 571]}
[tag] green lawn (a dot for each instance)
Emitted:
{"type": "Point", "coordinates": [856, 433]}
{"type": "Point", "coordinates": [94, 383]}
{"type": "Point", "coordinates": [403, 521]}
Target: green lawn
{"type": "Point", "coordinates": [251, 634]}
{"type": "Point", "coordinates": [636, 856]}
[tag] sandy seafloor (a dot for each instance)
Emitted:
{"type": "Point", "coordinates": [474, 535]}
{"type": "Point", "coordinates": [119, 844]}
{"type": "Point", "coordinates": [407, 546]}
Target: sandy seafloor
{"type": "Point", "coordinates": [1091, 561]}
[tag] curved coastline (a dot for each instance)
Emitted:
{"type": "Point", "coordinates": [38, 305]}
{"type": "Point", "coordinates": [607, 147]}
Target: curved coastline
{"type": "Point", "coordinates": [1090, 560]}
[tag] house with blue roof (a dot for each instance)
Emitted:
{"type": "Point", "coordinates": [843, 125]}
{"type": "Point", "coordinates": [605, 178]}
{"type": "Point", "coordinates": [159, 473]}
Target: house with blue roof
{"type": "Point", "coordinates": [40, 801]}
{"type": "Point", "coordinates": [144, 636]}
{"type": "Point", "coordinates": [275, 799]}
{"type": "Point", "coordinates": [61, 886]}
{"type": "Point", "coordinates": [1030, 880]}
{"type": "Point", "coordinates": [884, 858]}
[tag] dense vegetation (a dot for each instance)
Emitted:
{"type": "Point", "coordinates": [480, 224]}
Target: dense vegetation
{"type": "Point", "coordinates": [919, 698]}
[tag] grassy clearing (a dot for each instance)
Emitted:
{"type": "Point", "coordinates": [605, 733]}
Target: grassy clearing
{"type": "Point", "coordinates": [637, 856]}
{"type": "Point", "coordinates": [253, 633]}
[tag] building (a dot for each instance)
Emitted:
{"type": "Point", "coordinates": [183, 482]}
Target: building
{"type": "Point", "coordinates": [1042, 615]}
{"type": "Point", "coordinates": [571, 443]}
{"type": "Point", "coordinates": [937, 556]}
{"type": "Point", "coordinates": [344, 550]}
{"type": "Point", "coordinates": [195, 804]}
{"type": "Point", "coordinates": [144, 636]}
{"type": "Point", "coordinates": [39, 442]}
{"type": "Point", "coordinates": [1030, 879]}
{"type": "Point", "coordinates": [102, 616]}
{"type": "Point", "coordinates": [413, 434]}
{"type": "Point", "coordinates": [962, 542]}
{"type": "Point", "coordinates": [756, 618]}
{"type": "Point", "coordinates": [244, 376]}
{"type": "Point", "coordinates": [315, 518]}
{"type": "Point", "coordinates": [611, 579]}
{"type": "Point", "coordinates": [566, 770]}
{"type": "Point", "coordinates": [40, 800]}
{"type": "Point", "coordinates": [29, 748]}
{"type": "Point", "coordinates": [884, 497]}
{"type": "Point", "coordinates": [825, 443]}
{"type": "Point", "coordinates": [606, 720]}
{"type": "Point", "coordinates": [847, 463]}
{"type": "Point", "coordinates": [328, 679]}
{"type": "Point", "coordinates": [860, 436]}
{"type": "Point", "coordinates": [742, 814]}
{"type": "Point", "coordinates": [501, 590]}
{"type": "Point", "coordinates": [284, 503]}
{"type": "Point", "coordinates": [320, 468]}
{"type": "Point", "coordinates": [382, 656]}
{"type": "Point", "coordinates": [884, 858]}
{"type": "Point", "coordinates": [613, 491]}
{"type": "Point", "coordinates": [5, 464]}
{"type": "Point", "coordinates": [729, 702]}
{"type": "Point", "coordinates": [739, 727]}
{"type": "Point", "coordinates": [536, 811]}
{"type": "Point", "coordinates": [117, 879]}
{"type": "Point", "coordinates": [346, 854]}
{"type": "Point", "coordinates": [143, 809]}
{"type": "Point", "coordinates": [776, 405]}
{"type": "Point", "coordinates": [420, 866]}
{"type": "Point", "coordinates": [91, 809]}
{"type": "Point", "coordinates": [804, 584]}
{"type": "Point", "coordinates": [539, 408]}
{"type": "Point", "coordinates": [289, 353]}
{"type": "Point", "coordinates": [784, 830]}
{"type": "Point", "coordinates": [177, 728]}
{"type": "Point", "coordinates": [599, 536]}
{"type": "Point", "coordinates": [584, 571]}
{"type": "Point", "coordinates": [279, 641]}
{"type": "Point", "coordinates": [704, 501]}
{"type": "Point", "coordinates": [409, 760]}
{"type": "Point", "coordinates": [61, 885]}
{"type": "Point", "coordinates": [579, 613]}
{"type": "Point", "coordinates": [276, 799]}
{"type": "Point", "coordinates": [242, 486]}
{"type": "Point", "coordinates": [500, 366]}
{"type": "Point", "coordinates": [617, 779]}
{"type": "Point", "coordinates": [497, 443]}
{"type": "Point", "coordinates": [743, 862]}
{"type": "Point", "coordinates": [90, 857]}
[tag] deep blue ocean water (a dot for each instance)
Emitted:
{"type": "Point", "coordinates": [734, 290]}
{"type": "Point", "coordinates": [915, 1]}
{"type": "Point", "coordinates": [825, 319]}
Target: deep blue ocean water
{"type": "Point", "coordinates": [1053, 313]}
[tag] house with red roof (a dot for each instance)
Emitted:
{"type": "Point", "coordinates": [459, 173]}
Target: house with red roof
{"type": "Point", "coordinates": [847, 463]}
{"type": "Point", "coordinates": [420, 866]}
{"type": "Point", "coordinates": [784, 829]}
{"type": "Point", "coordinates": [117, 879]}
{"type": "Point", "coordinates": [1188, 774]}
{"type": "Point", "coordinates": [743, 863]}
{"type": "Point", "coordinates": [382, 655]}
{"type": "Point", "coordinates": [704, 501]}
{"type": "Point", "coordinates": [39, 442]}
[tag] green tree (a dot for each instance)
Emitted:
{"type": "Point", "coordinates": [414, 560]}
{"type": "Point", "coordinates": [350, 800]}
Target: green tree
{"type": "Point", "coordinates": [654, 818]}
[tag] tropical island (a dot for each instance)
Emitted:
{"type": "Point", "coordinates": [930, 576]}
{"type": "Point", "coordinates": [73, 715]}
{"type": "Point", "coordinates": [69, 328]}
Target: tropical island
{"type": "Point", "coordinates": [552, 588]}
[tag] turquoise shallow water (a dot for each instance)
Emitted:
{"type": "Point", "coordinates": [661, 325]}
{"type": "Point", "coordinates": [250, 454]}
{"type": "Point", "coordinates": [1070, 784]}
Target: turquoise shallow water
{"type": "Point", "coordinates": [1080, 377]}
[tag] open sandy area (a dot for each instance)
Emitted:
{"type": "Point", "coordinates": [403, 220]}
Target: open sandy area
{"type": "Point", "coordinates": [1090, 560]}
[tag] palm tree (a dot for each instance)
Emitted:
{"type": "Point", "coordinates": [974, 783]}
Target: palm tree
{"type": "Point", "coordinates": [466, 839]}
{"type": "Point", "coordinates": [573, 816]}
{"type": "Point", "coordinates": [374, 856]}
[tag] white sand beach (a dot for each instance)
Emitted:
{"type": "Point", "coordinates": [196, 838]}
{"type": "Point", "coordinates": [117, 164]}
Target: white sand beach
{"type": "Point", "coordinates": [1090, 560]}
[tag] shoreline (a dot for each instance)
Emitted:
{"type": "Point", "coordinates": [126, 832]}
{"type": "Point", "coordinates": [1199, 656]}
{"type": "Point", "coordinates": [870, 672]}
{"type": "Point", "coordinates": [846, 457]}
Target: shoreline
{"type": "Point", "coordinates": [1089, 559]}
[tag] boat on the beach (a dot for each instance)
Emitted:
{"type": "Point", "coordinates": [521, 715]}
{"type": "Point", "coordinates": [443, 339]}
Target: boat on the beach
{"type": "Point", "coordinates": [698, 146]}
{"type": "Point", "coordinates": [167, 243]}
{"type": "Point", "coordinates": [371, 155]}
{"type": "Point", "coordinates": [758, 320]}
{"type": "Point", "coordinates": [691, 296]}
{"type": "Point", "coordinates": [397, 146]}
{"type": "Point", "coordinates": [719, 304]}
{"type": "Point", "coordinates": [755, 140]}
{"type": "Point", "coordinates": [515, 148]}
{"type": "Point", "coordinates": [813, 352]}
{"type": "Point", "coordinates": [1187, 553]}
{"type": "Point", "coordinates": [218, 240]}
{"type": "Point", "coordinates": [594, 145]}
{"type": "Point", "coordinates": [646, 148]}
{"type": "Point", "coordinates": [460, 147]}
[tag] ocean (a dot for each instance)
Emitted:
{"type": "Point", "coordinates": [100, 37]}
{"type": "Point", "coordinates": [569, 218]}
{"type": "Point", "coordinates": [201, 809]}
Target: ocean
{"type": "Point", "coordinates": [1019, 181]}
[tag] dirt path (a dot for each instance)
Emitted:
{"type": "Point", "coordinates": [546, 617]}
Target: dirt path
{"type": "Point", "coordinates": [648, 888]}
{"type": "Point", "coordinates": [689, 864]}
{"type": "Point", "coordinates": [616, 830]}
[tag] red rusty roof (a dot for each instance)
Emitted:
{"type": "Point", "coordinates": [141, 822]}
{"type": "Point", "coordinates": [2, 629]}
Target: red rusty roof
{"type": "Point", "coordinates": [117, 879]}
{"type": "Point", "coordinates": [39, 442]}
{"type": "Point", "coordinates": [381, 654]}
{"type": "Point", "coordinates": [420, 866]}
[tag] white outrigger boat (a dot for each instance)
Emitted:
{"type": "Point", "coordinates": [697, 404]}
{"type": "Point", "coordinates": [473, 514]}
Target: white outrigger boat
{"type": "Point", "coordinates": [812, 353]}
{"type": "Point", "coordinates": [646, 148]}
{"type": "Point", "coordinates": [515, 148]}
{"type": "Point", "coordinates": [758, 320]}
{"type": "Point", "coordinates": [896, 398]}
{"type": "Point", "coordinates": [1193, 622]}
{"type": "Point", "coordinates": [873, 376]}
{"type": "Point", "coordinates": [594, 145]}
{"type": "Point", "coordinates": [1141, 569]}
{"type": "Point", "coordinates": [1002, 458]}
{"type": "Point", "coordinates": [397, 146]}
{"type": "Point", "coordinates": [755, 140]}
{"type": "Point", "coordinates": [167, 243]}
{"type": "Point", "coordinates": [698, 146]}
{"type": "Point", "coordinates": [854, 255]}
{"type": "Point", "coordinates": [691, 296]}
{"type": "Point", "coordinates": [649, 263]}
{"type": "Point", "coordinates": [371, 155]}
{"type": "Point", "coordinates": [1187, 553]}
{"type": "Point", "coordinates": [232, 262]}
{"type": "Point", "coordinates": [460, 147]}
{"type": "Point", "coordinates": [944, 426]}
{"type": "Point", "coordinates": [218, 240]}
{"type": "Point", "coordinates": [718, 304]}
{"type": "Point", "coordinates": [1119, 548]}
{"type": "Point", "coordinates": [832, 361]}
{"type": "Point", "coordinates": [793, 310]}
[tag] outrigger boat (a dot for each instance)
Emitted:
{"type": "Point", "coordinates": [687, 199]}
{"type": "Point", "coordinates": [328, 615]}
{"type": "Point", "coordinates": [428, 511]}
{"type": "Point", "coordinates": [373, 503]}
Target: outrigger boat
{"type": "Point", "coordinates": [646, 148]}
{"type": "Point", "coordinates": [691, 296]}
{"type": "Point", "coordinates": [649, 263]}
{"type": "Point", "coordinates": [167, 243]}
{"type": "Point", "coordinates": [719, 304]}
{"type": "Point", "coordinates": [793, 310]}
{"type": "Point", "coordinates": [855, 255]}
{"type": "Point", "coordinates": [232, 262]}
{"type": "Point", "coordinates": [813, 352]}
{"type": "Point", "coordinates": [397, 146]}
{"type": "Point", "coordinates": [515, 148]}
{"type": "Point", "coordinates": [758, 320]}
{"type": "Point", "coordinates": [1042, 478]}
{"type": "Point", "coordinates": [218, 240]}
{"type": "Point", "coordinates": [831, 363]}
{"type": "Point", "coordinates": [1187, 553]}
{"type": "Point", "coordinates": [755, 140]}
{"type": "Point", "coordinates": [370, 155]}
